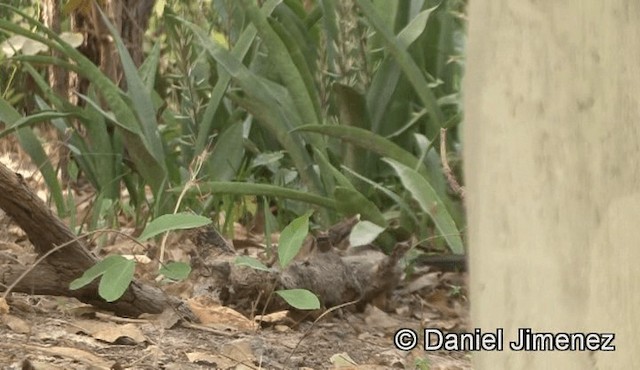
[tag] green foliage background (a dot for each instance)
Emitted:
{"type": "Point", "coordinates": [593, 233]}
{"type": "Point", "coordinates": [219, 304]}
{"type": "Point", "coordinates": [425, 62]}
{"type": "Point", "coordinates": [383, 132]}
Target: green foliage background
{"type": "Point", "coordinates": [239, 108]}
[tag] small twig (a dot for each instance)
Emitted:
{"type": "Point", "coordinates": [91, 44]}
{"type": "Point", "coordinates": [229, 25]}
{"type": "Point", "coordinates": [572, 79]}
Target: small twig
{"type": "Point", "coordinates": [448, 173]}
{"type": "Point", "coordinates": [55, 249]}
{"type": "Point", "coordinates": [191, 325]}
{"type": "Point", "coordinates": [37, 262]}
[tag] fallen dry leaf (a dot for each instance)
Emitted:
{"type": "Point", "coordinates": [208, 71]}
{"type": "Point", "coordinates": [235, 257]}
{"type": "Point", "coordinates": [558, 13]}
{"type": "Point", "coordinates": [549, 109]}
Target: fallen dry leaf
{"type": "Point", "coordinates": [210, 360]}
{"type": "Point", "coordinates": [4, 307]}
{"type": "Point", "coordinates": [108, 331]}
{"type": "Point", "coordinates": [278, 317]}
{"type": "Point", "coordinates": [343, 361]}
{"type": "Point", "coordinates": [92, 361]}
{"type": "Point", "coordinates": [241, 350]}
{"type": "Point", "coordinates": [16, 324]}
{"type": "Point", "coordinates": [211, 313]}
{"type": "Point", "coordinates": [376, 318]}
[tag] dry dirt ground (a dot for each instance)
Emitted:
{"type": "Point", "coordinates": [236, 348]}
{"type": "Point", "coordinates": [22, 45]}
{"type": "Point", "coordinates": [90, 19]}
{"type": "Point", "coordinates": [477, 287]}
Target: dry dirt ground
{"type": "Point", "coordinates": [43, 332]}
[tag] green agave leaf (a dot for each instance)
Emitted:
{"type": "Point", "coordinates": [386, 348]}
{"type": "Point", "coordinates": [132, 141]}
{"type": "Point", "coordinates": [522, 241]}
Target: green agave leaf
{"type": "Point", "coordinates": [330, 25]}
{"type": "Point", "coordinates": [104, 166]}
{"type": "Point", "coordinates": [298, 57]}
{"type": "Point", "coordinates": [239, 51]}
{"type": "Point", "coordinates": [282, 60]}
{"type": "Point", "coordinates": [149, 67]}
{"type": "Point", "coordinates": [366, 139]}
{"type": "Point", "coordinates": [243, 188]}
{"type": "Point", "coordinates": [31, 144]}
{"type": "Point", "coordinates": [430, 203]}
{"type": "Point", "coordinates": [28, 120]}
{"type": "Point", "coordinates": [350, 202]}
{"type": "Point", "coordinates": [395, 197]}
{"type": "Point", "coordinates": [414, 75]}
{"type": "Point", "coordinates": [75, 143]}
{"type": "Point", "coordinates": [267, 101]}
{"type": "Point", "coordinates": [142, 154]}
{"type": "Point", "coordinates": [33, 147]}
{"type": "Point", "coordinates": [387, 76]}
{"type": "Point", "coordinates": [226, 156]}
{"type": "Point", "coordinates": [139, 95]}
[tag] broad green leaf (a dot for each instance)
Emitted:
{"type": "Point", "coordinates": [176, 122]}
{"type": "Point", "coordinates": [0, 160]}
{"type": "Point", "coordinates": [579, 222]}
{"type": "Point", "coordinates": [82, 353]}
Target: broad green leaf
{"type": "Point", "coordinates": [301, 299]}
{"type": "Point", "coordinates": [351, 202]}
{"type": "Point", "coordinates": [363, 233]}
{"type": "Point", "coordinates": [291, 239]}
{"type": "Point", "coordinates": [176, 270]}
{"type": "Point", "coordinates": [96, 271]}
{"type": "Point", "coordinates": [430, 203]}
{"type": "Point", "coordinates": [251, 262]}
{"type": "Point", "coordinates": [177, 221]}
{"type": "Point", "coordinates": [116, 279]}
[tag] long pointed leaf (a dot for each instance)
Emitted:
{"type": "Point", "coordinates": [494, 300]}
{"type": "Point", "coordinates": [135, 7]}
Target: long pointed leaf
{"type": "Point", "coordinates": [239, 51]}
{"type": "Point", "coordinates": [409, 67]}
{"type": "Point", "coordinates": [366, 139]}
{"type": "Point", "coordinates": [243, 188]}
{"type": "Point", "coordinates": [430, 203]}
{"type": "Point", "coordinates": [137, 145]}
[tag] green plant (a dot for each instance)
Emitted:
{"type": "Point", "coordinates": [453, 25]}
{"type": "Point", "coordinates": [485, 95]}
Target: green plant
{"type": "Point", "coordinates": [291, 240]}
{"type": "Point", "coordinates": [116, 272]}
{"type": "Point", "coordinates": [293, 105]}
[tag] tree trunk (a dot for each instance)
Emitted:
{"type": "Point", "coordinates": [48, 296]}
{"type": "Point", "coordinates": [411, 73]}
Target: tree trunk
{"type": "Point", "coordinates": [552, 143]}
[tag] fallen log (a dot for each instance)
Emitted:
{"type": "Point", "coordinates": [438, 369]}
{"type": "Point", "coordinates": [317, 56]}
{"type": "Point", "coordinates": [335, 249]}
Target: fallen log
{"type": "Point", "coordinates": [52, 277]}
